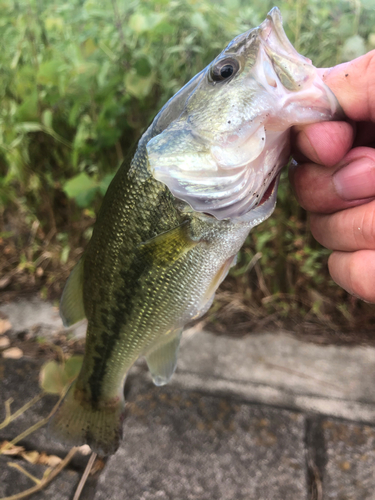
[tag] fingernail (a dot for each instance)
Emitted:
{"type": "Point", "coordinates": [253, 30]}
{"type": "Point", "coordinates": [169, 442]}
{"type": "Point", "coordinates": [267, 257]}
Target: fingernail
{"type": "Point", "coordinates": [356, 180]}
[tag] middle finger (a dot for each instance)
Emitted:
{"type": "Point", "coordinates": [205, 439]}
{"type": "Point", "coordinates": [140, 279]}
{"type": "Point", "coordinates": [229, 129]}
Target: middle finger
{"type": "Point", "coordinates": [348, 230]}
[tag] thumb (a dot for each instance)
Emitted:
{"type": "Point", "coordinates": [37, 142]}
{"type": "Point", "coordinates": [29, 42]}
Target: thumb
{"type": "Point", "coordinates": [353, 83]}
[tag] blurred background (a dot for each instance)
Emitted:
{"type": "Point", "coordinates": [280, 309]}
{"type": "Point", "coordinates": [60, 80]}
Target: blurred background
{"type": "Point", "coordinates": [80, 82]}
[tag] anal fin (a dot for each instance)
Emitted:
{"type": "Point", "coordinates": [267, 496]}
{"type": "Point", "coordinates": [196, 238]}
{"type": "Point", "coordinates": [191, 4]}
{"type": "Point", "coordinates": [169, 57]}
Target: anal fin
{"type": "Point", "coordinates": [162, 358]}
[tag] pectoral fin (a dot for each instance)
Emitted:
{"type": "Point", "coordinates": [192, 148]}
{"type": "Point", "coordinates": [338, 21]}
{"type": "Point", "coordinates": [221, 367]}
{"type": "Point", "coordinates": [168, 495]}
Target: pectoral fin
{"type": "Point", "coordinates": [167, 247]}
{"type": "Point", "coordinates": [162, 359]}
{"type": "Point", "coordinates": [71, 304]}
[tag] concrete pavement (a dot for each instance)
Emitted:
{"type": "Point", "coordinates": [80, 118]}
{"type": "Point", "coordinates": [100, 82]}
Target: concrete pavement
{"type": "Point", "coordinates": [258, 418]}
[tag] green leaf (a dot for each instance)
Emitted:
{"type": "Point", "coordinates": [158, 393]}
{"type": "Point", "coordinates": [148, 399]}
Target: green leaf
{"type": "Point", "coordinates": [368, 4]}
{"type": "Point", "coordinates": [73, 367]}
{"type": "Point", "coordinates": [164, 29]}
{"type": "Point", "coordinates": [198, 21]}
{"type": "Point", "coordinates": [85, 198]}
{"type": "Point", "coordinates": [65, 254]}
{"type": "Point", "coordinates": [55, 377]}
{"type": "Point", "coordinates": [371, 41]}
{"type": "Point", "coordinates": [28, 110]}
{"type": "Point", "coordinates": [81, 182]}
{"type": "Point", "coordinates": [141, 22]}
{"type": "Point", "coordinates": [143, 67]}
{"type": "Point", "coordinates": [49, 72]}
{"type": "Point", "coordinates": [54, 23]}
{"type": "Point", "coordinates": [51, 378]}
{"type": "Point", "coordinates": [89, 47]}
{"type": "Point", "coordinates": [105, 182]}
{"type": "Point", "coordinates": [139, 86]}
{"type": "Point", "coordinates": [28, 127]}
{"type": "Point", "coordinates": [47, 118]}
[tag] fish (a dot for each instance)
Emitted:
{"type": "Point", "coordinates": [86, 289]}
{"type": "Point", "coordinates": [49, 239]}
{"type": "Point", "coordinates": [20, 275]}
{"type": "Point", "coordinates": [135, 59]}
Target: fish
{"type": "Point", "coordinates": [175, 216]}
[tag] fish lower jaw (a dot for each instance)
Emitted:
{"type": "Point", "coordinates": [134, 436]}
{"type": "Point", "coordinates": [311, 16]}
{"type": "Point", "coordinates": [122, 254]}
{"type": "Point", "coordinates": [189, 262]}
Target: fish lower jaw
{"type": "Point", "coordinates": [268, 192]}
{"type": "Point", "coordinates": [316, 103]}
{"type": "Point", "coordinates": [265, 207]}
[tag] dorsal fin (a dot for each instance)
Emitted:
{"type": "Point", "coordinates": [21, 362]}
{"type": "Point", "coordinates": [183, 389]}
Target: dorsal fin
{"type": "Point", "coordinates": [71, 303]}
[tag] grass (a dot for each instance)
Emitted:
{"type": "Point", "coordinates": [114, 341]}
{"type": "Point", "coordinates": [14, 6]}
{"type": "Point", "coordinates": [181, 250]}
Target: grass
{"type": "Point", "coordinates": [82, 80]}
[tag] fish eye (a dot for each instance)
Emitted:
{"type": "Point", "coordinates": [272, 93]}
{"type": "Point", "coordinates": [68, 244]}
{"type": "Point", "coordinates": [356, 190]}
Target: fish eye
{"type": "Point", "coordinates": [224, 69]}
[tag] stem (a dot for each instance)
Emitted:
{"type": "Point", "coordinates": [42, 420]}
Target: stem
{"type": "Point", "coordinates": [9, 417]}
{"type": "Point", "coordinates": [357, 6]}
{"type": "Point", "coordinates": [24, 471]}
{"type": "Point", "coordinates": [298, 24]}
{"type": "Point", "coordinates": [85, 475]}
{"type": "Point", "coordinates": [33, 427]}
{"type": "Point", "coordinates": [45, 480]}
{"type": "Point", "coordinates": [118, 22]}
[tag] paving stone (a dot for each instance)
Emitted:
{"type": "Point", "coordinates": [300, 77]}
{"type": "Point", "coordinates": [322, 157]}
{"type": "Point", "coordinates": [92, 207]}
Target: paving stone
{"type": "Point", "coordinates": [280, 360]}
{"type": "Point", "coordinates": [37, 317]}
{"type": "Point", "coordinates": [349, 472]}
{"type": "Point", "coordinates": [12, 481]}
{"type": "Point", "coordinates": [25, 314]}
{"type": "Point", "coordinates": [280, 370]}
{"type": "Point", "coordinates": [212, 434]}
{"type": "Point", "coordinates": [180, 445]}
{"type": "Point", "coordinates": [19, 380]}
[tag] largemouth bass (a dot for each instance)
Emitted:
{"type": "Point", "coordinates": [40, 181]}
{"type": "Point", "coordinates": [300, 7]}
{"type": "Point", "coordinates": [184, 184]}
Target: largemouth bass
{"type": "Point", "coordinates": [204, 173]}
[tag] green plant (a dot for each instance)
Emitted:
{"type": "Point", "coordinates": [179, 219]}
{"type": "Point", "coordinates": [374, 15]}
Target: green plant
{"type": "Point", "coordinates": [82, 79]}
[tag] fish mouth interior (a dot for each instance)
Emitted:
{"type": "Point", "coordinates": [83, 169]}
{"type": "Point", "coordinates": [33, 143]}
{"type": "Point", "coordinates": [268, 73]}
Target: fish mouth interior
{"type": "Point", "coordinates": [269, 190]}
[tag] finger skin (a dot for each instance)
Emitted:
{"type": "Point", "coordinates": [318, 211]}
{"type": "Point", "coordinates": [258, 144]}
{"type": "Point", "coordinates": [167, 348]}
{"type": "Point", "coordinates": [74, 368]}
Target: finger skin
{"type": "Point", "coordinates": [315, 188]}
{"type": "Point", "coordinates": [324, 143]}
{"type": "Point", "coordinates": [355, 272]}
{"type": "Point", "coordinates": [347, 230]}
{"type": "Point", "coordinates": [353, 83]}
{"type": "Point", "coordinates": [347, 227]}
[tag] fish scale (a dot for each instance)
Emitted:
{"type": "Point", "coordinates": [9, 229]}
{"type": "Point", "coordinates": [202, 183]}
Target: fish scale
{"type": "Point", "coordinates": [175, 216]}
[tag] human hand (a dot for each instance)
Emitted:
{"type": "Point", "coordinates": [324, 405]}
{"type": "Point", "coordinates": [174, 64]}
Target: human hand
{"type": "Point", "coordinates": [335, 177]}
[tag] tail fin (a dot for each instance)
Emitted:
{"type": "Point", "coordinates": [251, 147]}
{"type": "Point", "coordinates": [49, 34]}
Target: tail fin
{"type": "Point", "coordinates": [76, 422]}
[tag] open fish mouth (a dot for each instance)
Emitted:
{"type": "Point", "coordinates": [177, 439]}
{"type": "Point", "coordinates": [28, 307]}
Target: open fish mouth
{"type": "Point", "coordinates": [224, 151]}
{"type": "Point", "coordinates": [269, 191]}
